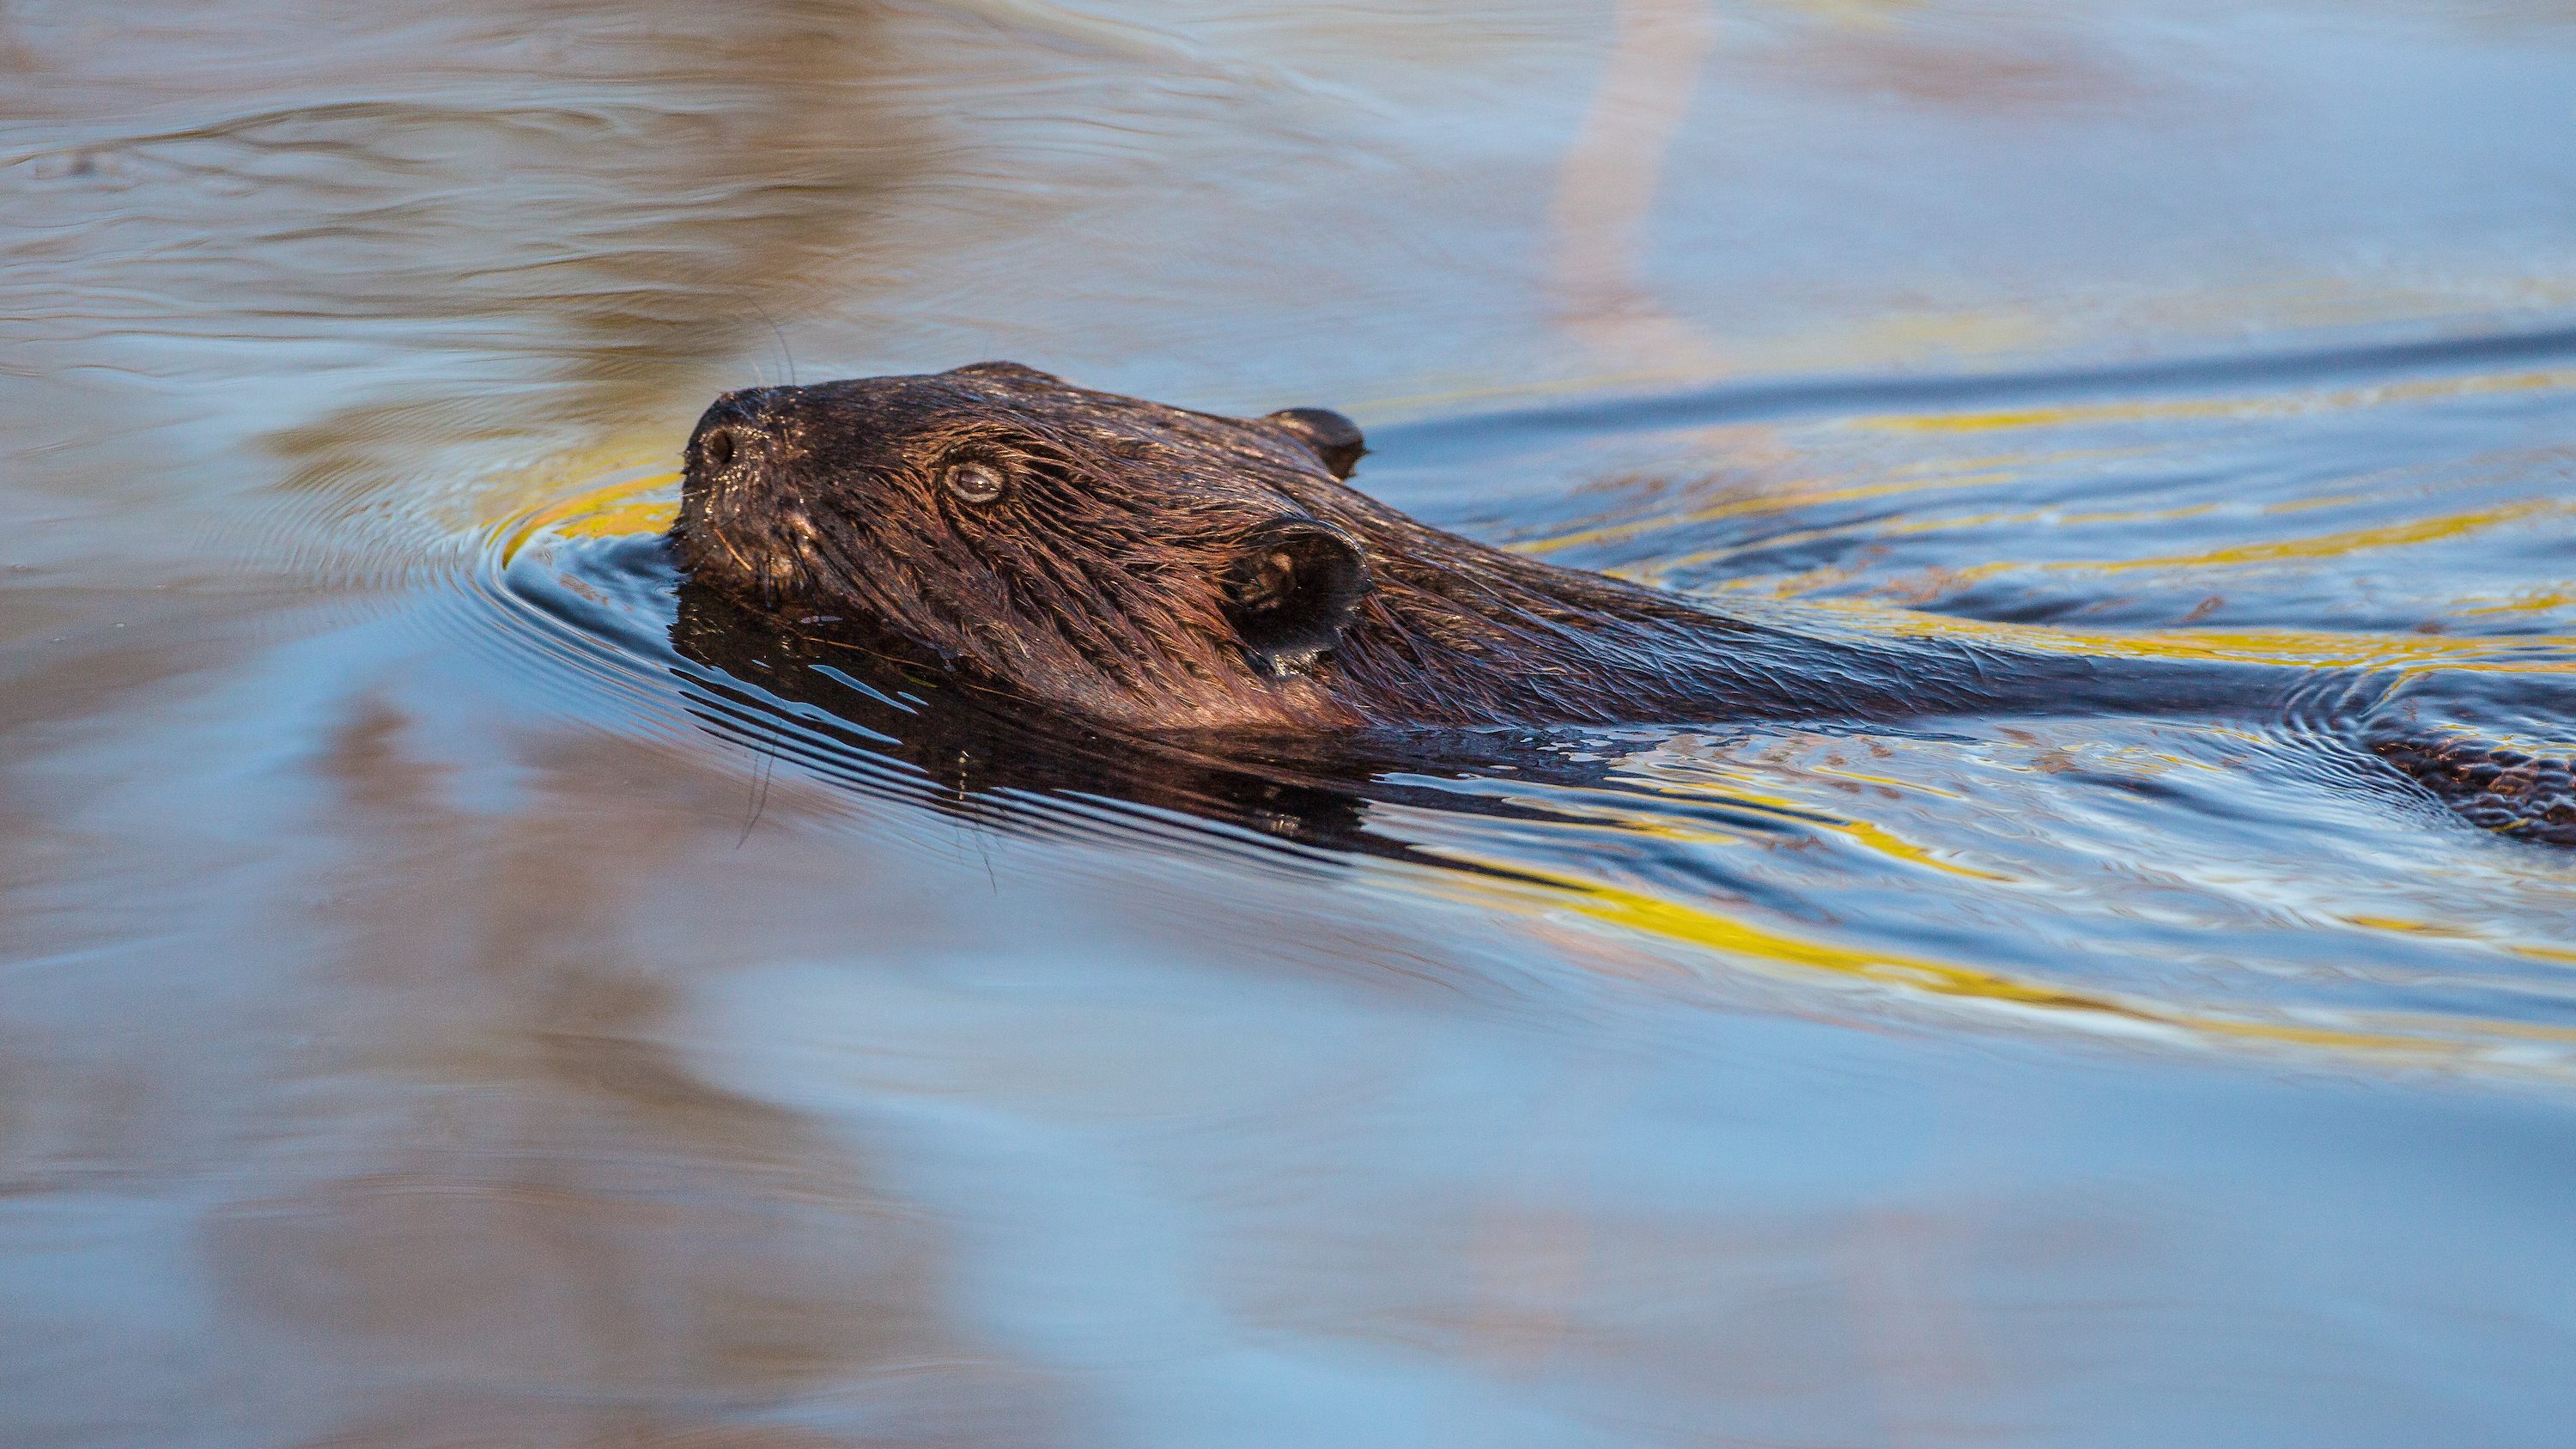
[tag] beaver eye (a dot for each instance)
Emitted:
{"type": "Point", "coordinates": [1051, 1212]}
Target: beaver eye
{"type": "Point", "coordinates": [975, 482]}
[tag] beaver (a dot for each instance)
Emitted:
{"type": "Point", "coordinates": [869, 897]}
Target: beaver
{"type": "Point", "coordinates": [1172, 573]}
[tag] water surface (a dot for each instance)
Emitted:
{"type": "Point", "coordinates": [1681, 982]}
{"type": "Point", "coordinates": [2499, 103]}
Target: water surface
{"type": "Point", "coordinates": [445, 1000]}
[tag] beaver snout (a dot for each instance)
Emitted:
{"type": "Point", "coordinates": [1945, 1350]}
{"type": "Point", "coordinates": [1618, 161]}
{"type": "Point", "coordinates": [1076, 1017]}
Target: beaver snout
{"type": "Point", "coordinates": [739, 432]}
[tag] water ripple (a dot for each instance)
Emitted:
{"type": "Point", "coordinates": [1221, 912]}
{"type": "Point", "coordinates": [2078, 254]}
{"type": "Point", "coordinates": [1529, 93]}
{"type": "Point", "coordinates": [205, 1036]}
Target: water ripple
{"type": "Point", "coordinates": [2140, 880]}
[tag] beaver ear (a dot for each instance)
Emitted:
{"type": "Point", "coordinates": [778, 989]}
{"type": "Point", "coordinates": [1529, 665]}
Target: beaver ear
{"type": "Point", "coordinates": [1291, 588]}
{"type": "Point", "coordinates": [1335, 439]}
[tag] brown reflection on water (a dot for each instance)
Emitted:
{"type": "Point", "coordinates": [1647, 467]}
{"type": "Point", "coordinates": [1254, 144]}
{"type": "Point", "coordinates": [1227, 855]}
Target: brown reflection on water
{"type": "Point", "coordinates": [1607, 183]}
{"type": "Point", "coordinates": [698, 176]}
{"type": "Point", "coordinates": [543, 1196]}
{"type": "Point", "coordinates": [2011, 65]}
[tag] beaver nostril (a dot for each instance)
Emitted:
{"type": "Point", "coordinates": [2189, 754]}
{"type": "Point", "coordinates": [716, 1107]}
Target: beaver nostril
{"type": "Point", "coordinates": [716, 449]}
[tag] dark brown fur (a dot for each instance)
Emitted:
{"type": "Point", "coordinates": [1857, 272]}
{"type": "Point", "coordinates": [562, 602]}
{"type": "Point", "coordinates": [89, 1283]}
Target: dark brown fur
{"type": "Point", "coordinates": [1110, 577]}
{"type": "Point", "coordinates": [1178, 572]}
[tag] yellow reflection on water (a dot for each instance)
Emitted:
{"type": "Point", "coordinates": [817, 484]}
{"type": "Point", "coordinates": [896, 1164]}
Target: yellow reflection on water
{"type": "Point", "coordinates": [2281, 405]}
{"type": "Point", "coordinates": [2333, 545]}
{"type": "Point", "coordinates": [1785, 497]}
{"type": "Point", "coordinates": [2422, 1038]}
{"type": "Point", "coordinates": [2293, 647]}
{"type": "Point", "coordinates": [1869, 835]}
{"type": "Point", "coordinates": [630, 503]}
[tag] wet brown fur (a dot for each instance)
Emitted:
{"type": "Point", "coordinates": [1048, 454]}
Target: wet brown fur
{"type": "Point", "coordinates": [1180, 573]}
{"type": "Point", "coordinates": [1099, 582]}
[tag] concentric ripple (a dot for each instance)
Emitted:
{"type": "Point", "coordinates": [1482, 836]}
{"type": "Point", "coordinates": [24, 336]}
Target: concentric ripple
{"type": "Point", "coordinates": [2174, 880]}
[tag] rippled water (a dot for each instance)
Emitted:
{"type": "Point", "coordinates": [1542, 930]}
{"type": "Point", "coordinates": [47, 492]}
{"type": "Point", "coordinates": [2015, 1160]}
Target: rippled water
{"type": "Point", "coordinates": [455, 989]}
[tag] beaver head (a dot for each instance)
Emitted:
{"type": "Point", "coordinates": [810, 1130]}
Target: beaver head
{"type": "Point", "coordinates": [1133, 561]}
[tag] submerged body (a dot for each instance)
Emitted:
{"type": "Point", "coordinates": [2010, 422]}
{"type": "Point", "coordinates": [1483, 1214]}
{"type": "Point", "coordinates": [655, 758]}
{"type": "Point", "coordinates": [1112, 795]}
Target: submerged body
{"type": "Point", "coordinates": [1168, 571]}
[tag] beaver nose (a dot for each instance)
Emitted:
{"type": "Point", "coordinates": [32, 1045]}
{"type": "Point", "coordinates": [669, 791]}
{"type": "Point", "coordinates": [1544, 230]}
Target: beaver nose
{"type": "Point", "coordinates": [734, 430]}
{"type": "Point", "coordinates": [716, 449]}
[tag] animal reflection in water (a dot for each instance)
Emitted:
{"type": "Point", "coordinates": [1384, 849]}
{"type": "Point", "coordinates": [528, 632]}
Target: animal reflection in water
{"type": "Point", "coordinates": [1212, 591]}
{"type": "Point", "coordinates": [982, 752]}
